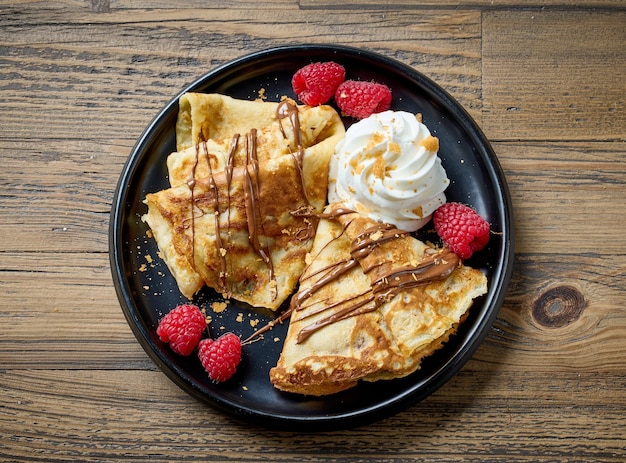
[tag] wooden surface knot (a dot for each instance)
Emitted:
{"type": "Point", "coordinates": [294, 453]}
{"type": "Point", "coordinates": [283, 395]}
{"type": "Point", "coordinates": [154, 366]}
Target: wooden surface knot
{"type": "Point", "coordinates": [558, 306]}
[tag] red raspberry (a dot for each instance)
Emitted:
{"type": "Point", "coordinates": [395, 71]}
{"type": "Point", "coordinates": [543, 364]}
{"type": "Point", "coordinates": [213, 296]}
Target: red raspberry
{"type": "Point", "coordinates": [462, 230]}
{"type": "Point", "coordinates": [182, 328]}
{"type": "Point", "coordinates": [221, 357]}
{"type": "Point", "coordinates": [315, 83]}
{"type": "Point", "coordinates": [362, 99]}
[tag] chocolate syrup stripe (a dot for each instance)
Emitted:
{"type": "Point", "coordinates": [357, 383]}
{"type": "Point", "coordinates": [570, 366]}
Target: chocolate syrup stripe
{"type": "Point", "coordinates": [253, 211]}
{"type": "Point", "coordinates": [434, 267]}
{"type": "Point", "coordinates": [216, 206]}
{"type": "Point", "coordinates": [228, 171]}
{"type": "Point", "coordinates": [360, 307]}
{"type": "Point", "coordinates": [191, 183]}
{"type": "Point", "coordinates": [288, 110]}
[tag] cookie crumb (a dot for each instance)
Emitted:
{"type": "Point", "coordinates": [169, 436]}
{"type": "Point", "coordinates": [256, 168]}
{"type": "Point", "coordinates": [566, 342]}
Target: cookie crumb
{"type": "Point", "coordinates": [376, 235]}
{"type": "Point", "coordinates": [219, 307]}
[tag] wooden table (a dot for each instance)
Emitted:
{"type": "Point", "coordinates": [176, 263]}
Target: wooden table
{"type": "Point", "coordinates": [546, 80]}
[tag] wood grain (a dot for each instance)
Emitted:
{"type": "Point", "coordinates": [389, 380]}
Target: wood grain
{"type": "Point", "coordinates": [556, 85]}
{"type": "Point", "coordinates": [578, 421]}
{"type": "Point", "coordinates": [578, 179]}
{"type": "Point", "coordinates": [79, 82]}
{"type": "Point", "coordinates": [469, 4]}
{"type": "Point", "coordinates": [113, 84]}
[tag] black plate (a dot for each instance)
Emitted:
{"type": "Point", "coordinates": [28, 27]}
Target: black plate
{"type": "Point", "coordinates": [147, 291]}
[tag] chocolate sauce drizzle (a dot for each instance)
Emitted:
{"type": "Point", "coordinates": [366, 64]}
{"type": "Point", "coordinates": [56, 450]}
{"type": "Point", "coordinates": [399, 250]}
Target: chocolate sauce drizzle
{"type": "Point", "coordinates": [191, 183]}
{"type": "Point", "coordinates": [386, 285]}
{"type": "Point", "coordinates": [252, 198]}
{"type": "Point", "coordinates": [288, 110]}
{"type": "Point", "coordinates": [436, 265]}
{"type": "Point", "coordinates": [228, 170]}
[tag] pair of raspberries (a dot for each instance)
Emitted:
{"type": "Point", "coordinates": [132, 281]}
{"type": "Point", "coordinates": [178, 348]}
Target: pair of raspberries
{"type": "Point", "coordinates": [317, 83]}
{"type": "Point", "coordinates": [183, 328]}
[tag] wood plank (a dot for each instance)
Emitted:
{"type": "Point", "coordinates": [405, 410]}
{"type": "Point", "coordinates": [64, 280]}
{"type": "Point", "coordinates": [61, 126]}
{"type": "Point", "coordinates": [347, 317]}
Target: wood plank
{"type": "Point", "coordinates": [106, 6]}
{"type": "Point", "coordinates": [60, 309]}
{"type": "Point", "coordinates": [564, 260]}
{"type": "Point", "coordinates": [562, 315]}
{"type": "Point", "coordinates": [105, 76]}
{"type": "Point", "coordinates": [482, 4]}
{"type": "Point", "coordinates": [124, 416]}
{"type": "Point", "coordinates": [568, 182]}
{"type": "Point", "coordinates": [541, 82]}
{"type": "Point", "coordinates": [57, 194]}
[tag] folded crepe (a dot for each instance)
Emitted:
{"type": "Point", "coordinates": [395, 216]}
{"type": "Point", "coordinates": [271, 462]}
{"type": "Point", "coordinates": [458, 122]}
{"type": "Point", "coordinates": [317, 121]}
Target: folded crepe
{"type": "Point", "coordinates": [216, 116]}
{"type": "Point", "coordinates": [227, 220]}
{"type": "Point", "coordinates": [372, 303]}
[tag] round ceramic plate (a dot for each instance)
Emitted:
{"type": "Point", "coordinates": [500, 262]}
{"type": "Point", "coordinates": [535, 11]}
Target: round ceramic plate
{"type": "Point", "coordinates": [147, 291]}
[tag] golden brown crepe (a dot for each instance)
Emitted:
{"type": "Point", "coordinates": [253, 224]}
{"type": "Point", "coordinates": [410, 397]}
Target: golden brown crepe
{"type": "Point", "coordinates": [372, 303]}
{"type": "Point", "coordinates": [253, 165]}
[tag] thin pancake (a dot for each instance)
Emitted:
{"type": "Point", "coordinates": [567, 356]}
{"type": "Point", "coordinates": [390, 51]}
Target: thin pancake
{"type": "Point", "coordinates": [373, 302]}
{"type": "Point", "coordinates": [242, 239]}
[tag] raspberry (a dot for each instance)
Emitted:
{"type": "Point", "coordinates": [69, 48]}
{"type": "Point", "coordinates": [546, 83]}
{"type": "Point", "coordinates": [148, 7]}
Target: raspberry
{"type": "Point", "coordinates": [315, 83]}
{"type": "Point", "coordinates": [221, 357]}
{"type": "Point", "coordinates": [462, 230]}
{"type": "Point", "coordinates": [362, 99]}
{"type": "Point", "coordinates": [182, 328]}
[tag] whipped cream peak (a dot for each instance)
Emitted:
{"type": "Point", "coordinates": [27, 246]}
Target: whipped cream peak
{"type": "Point", "coordinates": [387, 167]}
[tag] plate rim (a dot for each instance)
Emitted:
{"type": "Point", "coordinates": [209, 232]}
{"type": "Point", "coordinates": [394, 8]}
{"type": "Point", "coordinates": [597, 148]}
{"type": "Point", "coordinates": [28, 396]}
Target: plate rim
{"type": "Point", "coordinates": [418, 391]}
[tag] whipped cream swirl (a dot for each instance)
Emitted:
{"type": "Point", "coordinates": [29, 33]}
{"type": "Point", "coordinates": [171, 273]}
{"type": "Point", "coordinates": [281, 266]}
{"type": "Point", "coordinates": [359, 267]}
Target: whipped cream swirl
{"type": "Point", "coordinates": [387, 167]}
